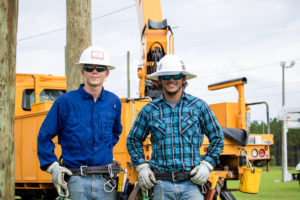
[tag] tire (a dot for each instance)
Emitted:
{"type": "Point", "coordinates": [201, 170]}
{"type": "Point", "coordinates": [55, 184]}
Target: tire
{"type": "Point", "coordinates": [50, 195]}
{"type": "Point", "coordinates": [226, 195]}
{"type": "Point", "coordinates": [28, 194]}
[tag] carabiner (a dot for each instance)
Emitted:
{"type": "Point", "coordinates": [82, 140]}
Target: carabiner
{"type": "Point", "coordinates": [109, 185]}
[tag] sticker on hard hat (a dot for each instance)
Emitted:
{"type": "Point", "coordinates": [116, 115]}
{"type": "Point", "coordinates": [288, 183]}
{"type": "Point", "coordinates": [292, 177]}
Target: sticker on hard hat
{"type": "Point", "coordinates": [183, 66]}
{"type": "Point", "coordinates": [97, 55]}
{"type": "Point", "coordinates": [159, 67]}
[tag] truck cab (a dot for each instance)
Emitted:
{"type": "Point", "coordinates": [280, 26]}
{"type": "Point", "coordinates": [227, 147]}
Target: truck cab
{"type": "Point", "coordinates": [34, 96]}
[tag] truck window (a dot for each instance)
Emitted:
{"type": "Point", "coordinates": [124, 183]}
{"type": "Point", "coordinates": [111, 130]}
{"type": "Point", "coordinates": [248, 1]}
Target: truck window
{"type": "Point", "coordinates": [45, 95]}
{"type": "Point", "coordinates": [50, 94]}
{"type": "Point", "coordinates": [27, 99]}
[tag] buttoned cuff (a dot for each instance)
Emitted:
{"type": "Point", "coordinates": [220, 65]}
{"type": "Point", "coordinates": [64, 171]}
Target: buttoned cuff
{"type": "Point", "coordinates": [210, 160]}
{"type": "Point", "coordinates": [140, 161]}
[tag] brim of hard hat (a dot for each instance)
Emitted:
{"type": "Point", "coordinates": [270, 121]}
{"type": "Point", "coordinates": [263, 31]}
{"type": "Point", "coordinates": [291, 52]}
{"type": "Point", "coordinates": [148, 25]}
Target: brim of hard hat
{"type": "Point", "coordinates": [155, 75]}
{"type": "Point", "coordinates": [80, 65]}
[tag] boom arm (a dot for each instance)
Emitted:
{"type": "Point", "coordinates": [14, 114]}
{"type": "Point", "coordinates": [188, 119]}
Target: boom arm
{"type": "Point", "coordinates": [154, 33]}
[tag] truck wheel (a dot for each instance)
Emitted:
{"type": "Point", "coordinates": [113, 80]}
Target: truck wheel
{"type": "Point", "coordinates": [50, 195]}
{"type": "Point", "coordinates": [28, 194]}
{"type": "Point", "coordinates": [226, 195]}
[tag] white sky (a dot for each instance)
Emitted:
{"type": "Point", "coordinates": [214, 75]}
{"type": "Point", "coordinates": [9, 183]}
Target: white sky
{"type": "Point", "coordinates": [218, 40]}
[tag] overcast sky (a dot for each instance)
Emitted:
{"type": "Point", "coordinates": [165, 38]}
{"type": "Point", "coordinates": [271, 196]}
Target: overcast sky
{"type": "Point", "coordinates": [217, 39]}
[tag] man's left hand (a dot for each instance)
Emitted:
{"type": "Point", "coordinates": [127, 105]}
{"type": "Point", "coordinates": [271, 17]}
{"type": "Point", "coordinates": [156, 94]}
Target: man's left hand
{"type": "Point", "coordinates": [200, 173]}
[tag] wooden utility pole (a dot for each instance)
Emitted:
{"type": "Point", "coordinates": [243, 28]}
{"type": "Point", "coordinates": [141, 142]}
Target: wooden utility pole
{"type": "Point", "coordinates": [8, 35]}
{"type": "Point", "coordinates": [79, 28]}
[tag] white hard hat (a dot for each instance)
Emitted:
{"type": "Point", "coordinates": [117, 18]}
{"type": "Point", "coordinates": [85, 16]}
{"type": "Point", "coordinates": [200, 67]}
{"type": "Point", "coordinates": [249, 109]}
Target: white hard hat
{"type": "Point", "coordinates": [170, 65]}
{"type": "Point", "coordinates": [95, 55]}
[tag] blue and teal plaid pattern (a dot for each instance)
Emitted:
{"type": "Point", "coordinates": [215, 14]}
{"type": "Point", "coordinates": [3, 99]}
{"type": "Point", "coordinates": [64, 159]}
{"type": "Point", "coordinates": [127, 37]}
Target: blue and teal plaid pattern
{"type": "Point", "coordinates": [176, 134]}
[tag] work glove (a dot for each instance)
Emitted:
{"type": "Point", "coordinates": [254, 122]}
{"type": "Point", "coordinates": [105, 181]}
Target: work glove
{"type": "Point", "coordinates": [200, 173]}
{"type": "Point", "coordinates": [57, 173]}
{"type": "Point", "coordinates": [146, 176]}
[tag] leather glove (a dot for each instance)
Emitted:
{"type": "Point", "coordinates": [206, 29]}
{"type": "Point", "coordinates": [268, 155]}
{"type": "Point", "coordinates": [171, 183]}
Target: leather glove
{"type": "Point", "coordinates": [57, 173]}
{"type": "Point", "coordinates": [146, 176]}
{"type": "Point", "coordinates": [200, 173]}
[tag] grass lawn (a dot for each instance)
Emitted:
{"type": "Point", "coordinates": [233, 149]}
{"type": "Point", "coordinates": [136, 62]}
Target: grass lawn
{"type": "Point", "coordinates": [269, 189]}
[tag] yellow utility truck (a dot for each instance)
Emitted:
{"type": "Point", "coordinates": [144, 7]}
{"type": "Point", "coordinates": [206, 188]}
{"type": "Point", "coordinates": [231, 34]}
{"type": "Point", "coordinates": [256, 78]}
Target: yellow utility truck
{"type": "Point", "coordinates": [35, 95]}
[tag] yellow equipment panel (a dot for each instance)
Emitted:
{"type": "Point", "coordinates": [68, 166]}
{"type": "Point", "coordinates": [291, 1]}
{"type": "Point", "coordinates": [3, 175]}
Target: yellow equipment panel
{"type": "Point", "coordinates": [130, 109]}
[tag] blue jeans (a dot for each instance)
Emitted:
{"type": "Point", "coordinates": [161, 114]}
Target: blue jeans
{"type": "Point", "coordinates": [185, 190]}
{"type": "Point", "coordinates": [89, 188]}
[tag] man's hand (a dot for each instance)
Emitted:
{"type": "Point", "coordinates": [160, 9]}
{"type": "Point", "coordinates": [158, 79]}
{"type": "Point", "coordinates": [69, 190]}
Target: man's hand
{"type": "Point", "coordinates": [200, 173]}
{"type": "Point", "coordinates": [57, 173]}
{"type": "Point", "coordinates": [146, 176]}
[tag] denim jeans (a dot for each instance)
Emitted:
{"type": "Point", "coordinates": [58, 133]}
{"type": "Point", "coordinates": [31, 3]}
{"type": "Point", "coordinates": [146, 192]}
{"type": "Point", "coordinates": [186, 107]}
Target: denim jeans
{"type": "Point", "coordinates": [89, 188]}
{"type": "Point", "coordinates": [185, 190]}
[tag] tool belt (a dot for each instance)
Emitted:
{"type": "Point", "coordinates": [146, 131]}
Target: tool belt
{"type": "Point", "coordinates": [173, 176]}
{"type": "Point", "coordinates": [109, 173]}
{"type": "Point", "coordinates": [107, 169]}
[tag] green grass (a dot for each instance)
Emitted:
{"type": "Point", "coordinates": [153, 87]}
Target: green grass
{"type": "Point", "coordinates": [269, 189]}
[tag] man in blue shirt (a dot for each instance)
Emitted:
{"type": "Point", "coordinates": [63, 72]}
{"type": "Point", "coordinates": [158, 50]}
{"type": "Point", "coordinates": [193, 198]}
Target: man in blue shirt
{"type": "Point", "coordinates": [87, 123]}
{"type": "Point", "coordinates": [177, 122]}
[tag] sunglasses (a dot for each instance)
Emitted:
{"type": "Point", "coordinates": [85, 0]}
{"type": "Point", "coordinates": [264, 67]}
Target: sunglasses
{"type": "Point", "coordinates": [175, 77]}
{"type": "Point", "coordinates": [90, 68]}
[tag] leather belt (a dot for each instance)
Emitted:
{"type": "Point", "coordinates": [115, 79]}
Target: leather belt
{"type": "Point", "coordinates": [107, 169]}
{"type": "Point", "coordinates": [173, 176]}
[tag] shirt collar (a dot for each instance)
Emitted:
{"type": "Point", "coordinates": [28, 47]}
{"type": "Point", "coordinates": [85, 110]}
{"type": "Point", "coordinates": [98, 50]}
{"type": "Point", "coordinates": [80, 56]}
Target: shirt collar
{"type": "Point", "coordinates": [160, 98]}
{"type": "Point", "coordinates": [86, 95]}
{"type": "Point", "coordinates": [184, 96]}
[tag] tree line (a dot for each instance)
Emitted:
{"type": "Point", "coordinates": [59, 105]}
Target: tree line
{"type": "Point", "coordinates": [293, 141]}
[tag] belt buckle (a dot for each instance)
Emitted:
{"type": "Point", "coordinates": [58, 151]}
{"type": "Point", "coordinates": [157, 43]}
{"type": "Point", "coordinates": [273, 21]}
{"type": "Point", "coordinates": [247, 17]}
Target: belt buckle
{"type": "Point", "coordinates": [173, 177]}
{"type": "Point", "coordinates": [81, 170]}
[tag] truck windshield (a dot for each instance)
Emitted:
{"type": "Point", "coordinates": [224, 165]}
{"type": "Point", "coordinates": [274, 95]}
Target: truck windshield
{"type": "Point", "coordinates": [50, 94]}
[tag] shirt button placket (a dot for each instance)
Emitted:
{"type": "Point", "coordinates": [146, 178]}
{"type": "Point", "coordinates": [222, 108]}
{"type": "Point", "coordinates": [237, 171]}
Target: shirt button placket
{"type": "Point", "coordinates": [94, 124]}
{"type": "Point", "coordinates": [173, 136]}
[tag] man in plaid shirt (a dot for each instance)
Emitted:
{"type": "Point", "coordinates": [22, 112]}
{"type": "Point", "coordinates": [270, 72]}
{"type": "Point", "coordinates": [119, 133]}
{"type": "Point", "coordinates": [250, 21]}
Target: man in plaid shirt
{"type": "Point", "coordinates": [177, 122]}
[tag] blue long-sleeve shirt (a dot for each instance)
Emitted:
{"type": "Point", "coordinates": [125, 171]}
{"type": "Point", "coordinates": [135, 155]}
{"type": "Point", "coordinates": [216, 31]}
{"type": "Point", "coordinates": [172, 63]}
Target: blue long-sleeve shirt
{"type": "Point", "coordinates": [87, 130]}
{"type": "Point", "coordinates": [176, 134]}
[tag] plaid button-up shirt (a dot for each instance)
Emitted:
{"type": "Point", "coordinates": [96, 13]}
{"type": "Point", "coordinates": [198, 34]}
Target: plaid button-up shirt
{"type": "Point", "coordinates": [176, 134]}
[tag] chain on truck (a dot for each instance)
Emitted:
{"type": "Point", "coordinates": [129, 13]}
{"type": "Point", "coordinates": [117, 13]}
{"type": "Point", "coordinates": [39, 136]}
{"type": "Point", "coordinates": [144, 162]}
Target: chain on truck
{"type": "Point", "coordinates": [35, 95]}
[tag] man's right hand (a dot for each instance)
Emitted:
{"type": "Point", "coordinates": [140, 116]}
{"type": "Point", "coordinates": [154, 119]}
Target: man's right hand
{"type": "Point", "coordinates": [57, 173]}
{"type": "Point", "coordinates": [146, 176]}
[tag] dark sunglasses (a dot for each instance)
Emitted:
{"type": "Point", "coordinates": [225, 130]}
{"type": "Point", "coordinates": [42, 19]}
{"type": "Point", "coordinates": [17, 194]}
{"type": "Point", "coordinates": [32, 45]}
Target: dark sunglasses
{"type": "Point", "coordinates": [175, 77]}
{"type": "Point", "coordinates": [90, 68]}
